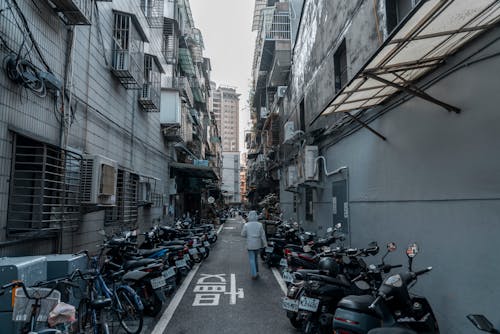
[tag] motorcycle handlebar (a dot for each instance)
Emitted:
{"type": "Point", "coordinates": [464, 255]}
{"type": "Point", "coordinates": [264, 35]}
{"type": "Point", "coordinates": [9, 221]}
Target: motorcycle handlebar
{"type": "Point", "coordinates": [375, 302]}
{"type": "Point", "coordinates": [423, 271]}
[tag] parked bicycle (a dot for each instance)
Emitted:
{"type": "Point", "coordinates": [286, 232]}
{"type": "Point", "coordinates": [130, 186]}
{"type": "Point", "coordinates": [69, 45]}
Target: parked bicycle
{"type": "Point", "coordinates": [103, 305]}
{"type": "Point", "coordinates": [34, 306]}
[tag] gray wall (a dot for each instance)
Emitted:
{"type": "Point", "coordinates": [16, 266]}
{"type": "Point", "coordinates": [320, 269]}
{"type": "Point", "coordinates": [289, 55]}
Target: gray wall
{"type": "Point", "coordinates": [435, 181]}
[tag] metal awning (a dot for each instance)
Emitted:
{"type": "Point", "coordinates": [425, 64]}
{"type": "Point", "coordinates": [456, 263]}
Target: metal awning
{"type": "Point", "coordinates": [186, 61]}
{"type": "Point", "coordinates": [189, 170]}
{"type": "Point", "coordinates": [434, 30]}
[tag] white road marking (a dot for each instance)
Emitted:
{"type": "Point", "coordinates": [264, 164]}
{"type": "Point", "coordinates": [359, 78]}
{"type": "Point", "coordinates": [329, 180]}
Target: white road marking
{"type": "Point", "coordinates": [169, 312]}
{"type": "Point", "coordinates": [230, 228]}
{"type": "Point", "coordinates": [280, 280]}
{"type": "Point", "coordinates": [220, 229]}
{"type": "Point", "coordinates": [235, 293]}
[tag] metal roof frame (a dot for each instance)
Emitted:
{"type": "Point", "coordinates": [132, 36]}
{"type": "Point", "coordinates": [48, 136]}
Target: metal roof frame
{"type": "Point", "coordinates": [433, 31]}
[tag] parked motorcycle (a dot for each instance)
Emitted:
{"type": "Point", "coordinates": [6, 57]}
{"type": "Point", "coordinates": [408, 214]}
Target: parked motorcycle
{"type": "Point", "coordinates": [391, 310]}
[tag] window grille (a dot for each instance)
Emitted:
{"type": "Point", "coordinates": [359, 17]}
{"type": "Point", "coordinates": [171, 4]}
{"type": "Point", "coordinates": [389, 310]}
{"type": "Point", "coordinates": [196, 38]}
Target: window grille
{"type": "Point", "coordinates": [125, 212]}
{"type": "Point", "coordinates": [150, 98]}
{"type": "Point", "coordinates": [340, 66]}
{"type": "Point", "coordinates": [153, 11]}
{"type": "Point", "coordinates": [128, 56]}
{"type": "Point", "coordinates": [44, 188]}
{"type": "Point", "coordinates": [170, 43]}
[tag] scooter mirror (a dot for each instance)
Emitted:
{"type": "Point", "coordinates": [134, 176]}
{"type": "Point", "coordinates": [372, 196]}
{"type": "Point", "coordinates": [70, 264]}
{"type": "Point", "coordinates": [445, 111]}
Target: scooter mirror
{"type": "Point", "coordinates": [391, 247]}
{"type": "Point", "coordinates": [362, 285]}
{"type": "Point", "coordinates": [412, 250]}
{"type": "Point", "coordinates": [338, 226]}
{"type": "Point", "coordinates": [481, 322]}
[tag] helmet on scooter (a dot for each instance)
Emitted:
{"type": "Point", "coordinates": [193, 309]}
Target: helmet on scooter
{"type": "Point", "coordinates": [329, 266]}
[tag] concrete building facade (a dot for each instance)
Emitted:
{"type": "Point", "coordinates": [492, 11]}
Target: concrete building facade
{"type": "Point", "coordinates": [400, 166]}
{"type": "Point", "coordinates": [86, 145]}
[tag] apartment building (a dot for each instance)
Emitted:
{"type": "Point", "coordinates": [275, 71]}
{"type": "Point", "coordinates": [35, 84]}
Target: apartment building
{"type": "Point", "coordinates": [103, 106]}
{"type": "Point", "coordinates": [386, 126]}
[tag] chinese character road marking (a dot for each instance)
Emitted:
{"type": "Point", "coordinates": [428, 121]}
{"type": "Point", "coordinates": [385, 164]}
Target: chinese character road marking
{"type": "Point", "coordinates": [233, 293]}
{"type": "Point", "coordinates": [209, 288]}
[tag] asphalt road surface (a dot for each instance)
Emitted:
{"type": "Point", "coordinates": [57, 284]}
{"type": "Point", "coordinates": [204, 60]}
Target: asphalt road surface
{"type": "Point", "coordinates": [223, 299]}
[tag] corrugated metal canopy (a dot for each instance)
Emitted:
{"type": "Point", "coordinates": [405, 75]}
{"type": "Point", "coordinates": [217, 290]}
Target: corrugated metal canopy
{"type": "Point", "coordinates": [433, 31]}
{"type": "Point", "coordinates": [186, 61]}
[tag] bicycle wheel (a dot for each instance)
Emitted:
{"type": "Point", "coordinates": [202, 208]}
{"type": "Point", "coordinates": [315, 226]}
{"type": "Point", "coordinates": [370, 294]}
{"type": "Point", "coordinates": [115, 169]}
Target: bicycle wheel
{"type": "Point", "coordinates": [128, 311]}
{"type": "Point", "coordinates": [84, 321]}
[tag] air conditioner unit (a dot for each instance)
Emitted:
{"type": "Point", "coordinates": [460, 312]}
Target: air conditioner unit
{"type": "Point", "coordinates": [263, 112]}
{"type": "Point", "coordinates": [98, 180]}
{"type": "Point", "coordinates": [291, 179]}
{"type": "Point", "coordinates": [289, 130]}
{"type": "Point", "coordinates": [281, 91]}
{"type": "Point", "coordinates": [310, 155]}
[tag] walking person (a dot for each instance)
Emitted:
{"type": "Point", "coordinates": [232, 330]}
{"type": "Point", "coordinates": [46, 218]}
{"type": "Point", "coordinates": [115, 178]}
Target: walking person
{"type": "Point", "coordinates": [256, 239]}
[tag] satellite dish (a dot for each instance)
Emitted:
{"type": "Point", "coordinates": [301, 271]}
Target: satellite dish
{"type": "Point", "coordinates": [211, 200]}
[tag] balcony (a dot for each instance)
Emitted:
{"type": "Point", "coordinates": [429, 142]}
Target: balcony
{"type": "Point", "coordinates": [186, 90]}
{"type": "Point", "coordinates": [74, 12]}
{"type": "Point", "coordinates": [170, 42]}
{"type": "Point", "coordinates": [128, 50]}
{"type": "Point", "coordinates": [150, 97]}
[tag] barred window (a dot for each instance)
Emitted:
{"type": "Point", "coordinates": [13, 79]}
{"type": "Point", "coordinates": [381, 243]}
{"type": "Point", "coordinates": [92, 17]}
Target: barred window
{"type": "Point", "coordinates": [44, 188]}
{"type": "Point", "coordinates": [125, 212]}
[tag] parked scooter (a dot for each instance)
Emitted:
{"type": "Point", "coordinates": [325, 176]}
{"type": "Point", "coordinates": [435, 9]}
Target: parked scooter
{"type": "Point", "coordinates": [482, 323]}
{"type": "Point", "coordinates": [391, 310]}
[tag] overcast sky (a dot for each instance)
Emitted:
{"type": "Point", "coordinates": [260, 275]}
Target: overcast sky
{"type": "Point", "coordinates": [226, 26]}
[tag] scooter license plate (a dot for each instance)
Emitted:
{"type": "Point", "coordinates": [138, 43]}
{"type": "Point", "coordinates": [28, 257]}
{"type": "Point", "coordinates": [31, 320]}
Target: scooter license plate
{"type": "Point", "coordinates": [180, 263]}
{"type": "Point", "coordinates": [269, 249]}
{"type": "Point", "coordinates": [170, 272]}
{"type": "Point", "coordinates": [186, 257]}
{"type": "Point", "coordinates": [287, 277]}
{"type": "Point", "coordinates": [283, 263]}
{"type": "Point", "coordinates": [202, 250]}
{"type": "Point", "coordinates": [158, 282]}
{"type": "Point", "coordinates": [290, 304]}
{"type": "Point", "coordinates": [193, 251]}
{"type": "Point", "coordinates": [206, 244]}
{"type": "Point", "coordinates": [308, 304]}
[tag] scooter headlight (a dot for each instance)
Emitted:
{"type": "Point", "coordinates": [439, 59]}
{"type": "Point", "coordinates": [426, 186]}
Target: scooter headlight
{"type": "Point", "coordinates": [395, 281]}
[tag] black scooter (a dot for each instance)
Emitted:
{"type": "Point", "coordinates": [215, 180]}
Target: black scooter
{"type": "Point", "coordinates": [391, 311]}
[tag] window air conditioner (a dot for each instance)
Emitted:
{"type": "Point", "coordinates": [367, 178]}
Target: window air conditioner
{"type": "Point", "coordinates": [144, 191]}
{"type": "Point", "coordinates": [310, 155]}
{"type": "Point", "coordinates": [289, 130]}
{"type": "Point", "coordinates": [98, 181]}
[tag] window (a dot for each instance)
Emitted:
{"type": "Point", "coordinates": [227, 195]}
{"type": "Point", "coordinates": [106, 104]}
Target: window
{"type": "Point", "coordinates": [125, 212]}
{"type": "Point", "coordinates": [44, 188]}
{"type": "Point", "coordinates": [302, 115]}
{"type": "Point", "coordinates": [340, 66]}
{"type": "Point", "coordinates": [309, 205]}
{"type": "Point", "coordinates": [396, 10]}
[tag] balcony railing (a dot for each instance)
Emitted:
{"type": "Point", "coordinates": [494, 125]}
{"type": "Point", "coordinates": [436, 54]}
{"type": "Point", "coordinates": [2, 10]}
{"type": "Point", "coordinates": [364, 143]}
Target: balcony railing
{"type": "Point", "coordinates": [186, 90]}
{"type": "Point", "coordinates": [125, 66]}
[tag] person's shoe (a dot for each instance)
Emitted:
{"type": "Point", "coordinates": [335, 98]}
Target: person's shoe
{"type": "Point", "coordinates": [254, 278]}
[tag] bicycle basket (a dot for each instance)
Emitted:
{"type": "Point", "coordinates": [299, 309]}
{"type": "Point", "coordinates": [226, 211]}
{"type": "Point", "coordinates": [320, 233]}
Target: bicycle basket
{"type": "Point", "coordinates": [22, 305]}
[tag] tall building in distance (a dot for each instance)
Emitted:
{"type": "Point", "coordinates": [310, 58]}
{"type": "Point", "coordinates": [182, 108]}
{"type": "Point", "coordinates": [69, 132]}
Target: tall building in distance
{"type": "Point", "coordinates": [226, 104]}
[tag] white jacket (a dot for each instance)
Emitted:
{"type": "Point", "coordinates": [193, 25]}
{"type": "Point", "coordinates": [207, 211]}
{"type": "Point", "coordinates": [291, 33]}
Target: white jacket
{"type": "Point", "coordinates": [256, 237]}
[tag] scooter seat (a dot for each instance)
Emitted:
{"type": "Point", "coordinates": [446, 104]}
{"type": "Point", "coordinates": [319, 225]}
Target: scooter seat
{"type": "Point", "coordinates": [280, 240]}
{"type": "Point", "coordinates": [358, 303]}
{"type": "Point", "coordinates": [137, 263]}
{"type": "Point", "coordinates": [173, 243]}
{"type": "Point", "coordinates": [391, 330]}
{"type": "Point", "coordinates": [148, 252]}
{"type": "Point", "coordinates": [174, 248]}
